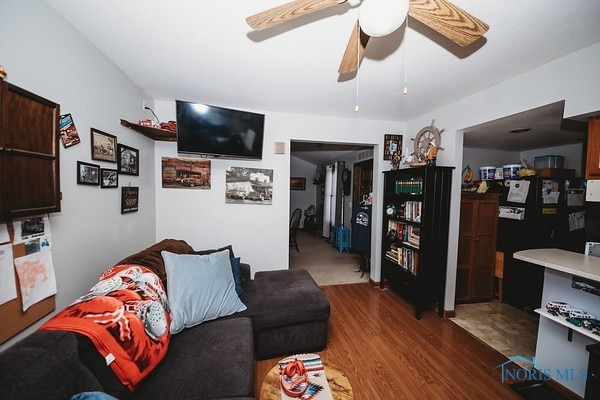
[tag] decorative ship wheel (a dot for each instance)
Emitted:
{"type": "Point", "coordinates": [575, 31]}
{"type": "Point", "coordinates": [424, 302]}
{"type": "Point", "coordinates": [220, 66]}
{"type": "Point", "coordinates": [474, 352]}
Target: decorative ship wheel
{"type": "Point", "coordinates": [427, 144]}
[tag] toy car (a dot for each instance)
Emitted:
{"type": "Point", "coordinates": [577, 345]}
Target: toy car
{"type": "Point", "coordinates": [555, 305]}
{"type": "Point", "coordinates": [580, 314]}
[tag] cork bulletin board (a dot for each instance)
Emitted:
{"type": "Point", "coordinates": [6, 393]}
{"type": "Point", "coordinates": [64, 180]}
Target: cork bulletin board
{"type": "Point", "coordinates": [12, 318]}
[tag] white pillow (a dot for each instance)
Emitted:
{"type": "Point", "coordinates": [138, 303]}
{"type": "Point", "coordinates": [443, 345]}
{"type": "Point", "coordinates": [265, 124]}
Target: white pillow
{"type": "Point", "coordinates": [199, 288]}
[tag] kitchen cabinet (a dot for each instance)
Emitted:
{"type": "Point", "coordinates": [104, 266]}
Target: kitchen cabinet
{"type": "Point", "coordinates": [29, 153]}
{"type": "Point", "coordinates": [477, 247]}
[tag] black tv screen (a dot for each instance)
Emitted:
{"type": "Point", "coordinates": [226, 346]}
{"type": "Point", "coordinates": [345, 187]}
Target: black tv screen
{"type": "Point", "coordinates": [218, 132]}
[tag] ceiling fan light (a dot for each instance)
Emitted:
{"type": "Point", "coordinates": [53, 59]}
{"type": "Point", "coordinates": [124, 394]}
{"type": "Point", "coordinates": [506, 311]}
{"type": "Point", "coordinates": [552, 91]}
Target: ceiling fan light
{"type": "Point", "coordinates": [381, 17]}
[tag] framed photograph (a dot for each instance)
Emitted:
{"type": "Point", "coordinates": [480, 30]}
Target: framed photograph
{"type": "Point", "coordinates": [392, 145]}
{"type": "Point", "coordinates": [185, 173]}
{"type": "Point", "coordinates": [128, 158]}
{"type": "Point", "coordinates": [248, 186]}
{"type": "Point", "coordinates": [104, 146]}
{"type": "Point", "coordinates": [129, 199]}
{"type": "Point", "coordinates": [88, 174]}
{"type": "Point", "coordinates": [297, 183]}
{"type": "Point", "coordinates": [68, 132]}
{"type": "Point", "coordinates": [109, 178]}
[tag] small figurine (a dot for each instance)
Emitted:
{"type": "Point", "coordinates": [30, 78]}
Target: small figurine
{"type": "Point", "coordinates": [396, 161]}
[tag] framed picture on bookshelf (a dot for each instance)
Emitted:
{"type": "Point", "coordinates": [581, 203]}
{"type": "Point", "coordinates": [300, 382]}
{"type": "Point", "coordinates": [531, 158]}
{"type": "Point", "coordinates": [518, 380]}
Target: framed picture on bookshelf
{"type": "Point", "coordinates": [392, 145]}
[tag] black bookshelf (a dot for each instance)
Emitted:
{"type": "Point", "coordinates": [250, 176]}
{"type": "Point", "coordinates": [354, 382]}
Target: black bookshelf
{"type": "Point", "coordinates": [414, 247]}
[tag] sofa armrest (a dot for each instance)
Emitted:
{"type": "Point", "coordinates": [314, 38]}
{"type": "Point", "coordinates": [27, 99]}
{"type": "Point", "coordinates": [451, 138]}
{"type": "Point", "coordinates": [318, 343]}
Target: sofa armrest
{"type": "Point", "coordinates": [245, 272]}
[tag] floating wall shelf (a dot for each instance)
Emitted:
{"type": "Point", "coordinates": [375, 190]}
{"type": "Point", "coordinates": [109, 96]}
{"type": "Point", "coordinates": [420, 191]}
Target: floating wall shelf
{"type": "Point", "coordinates": [162, 135]}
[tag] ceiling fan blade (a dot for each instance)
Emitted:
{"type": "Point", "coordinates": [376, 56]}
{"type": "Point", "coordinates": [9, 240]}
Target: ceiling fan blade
{"type": "Point", "coordinates": [288, 11]}
{"type": "Point", "coordinates": [354, 51]}
{"type": "Point", "coordinates": [449, 20]}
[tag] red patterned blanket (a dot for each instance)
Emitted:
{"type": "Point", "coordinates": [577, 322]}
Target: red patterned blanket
{"type": "Point", "coordinates": [126, 316]}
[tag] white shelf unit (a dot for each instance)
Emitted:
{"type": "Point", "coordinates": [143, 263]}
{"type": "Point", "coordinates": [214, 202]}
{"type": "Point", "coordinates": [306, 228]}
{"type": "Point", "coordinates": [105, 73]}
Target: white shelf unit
{"type": "Point", "coordinates": [563, 321]}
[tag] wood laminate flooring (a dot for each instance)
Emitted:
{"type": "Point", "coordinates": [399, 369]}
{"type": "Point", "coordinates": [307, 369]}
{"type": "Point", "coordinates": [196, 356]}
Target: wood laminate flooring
{"type": "Point", "coordinates": [387, 354]}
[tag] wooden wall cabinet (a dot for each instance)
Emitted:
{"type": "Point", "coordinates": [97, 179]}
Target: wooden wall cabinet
{"type": "Point", "coordinates": [29, 153]}
{"type": "Point", "coordinates": [415, 233]}
{"type": "Point", "coordinates": [477, 247]}
{"type": "Point", "coordinates": [592, 161]}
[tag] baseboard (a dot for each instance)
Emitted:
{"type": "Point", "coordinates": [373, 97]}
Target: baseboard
{"type": "Point", "coordinates": [449, 313]}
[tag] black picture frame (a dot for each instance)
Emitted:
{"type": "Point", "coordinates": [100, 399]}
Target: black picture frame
{"type": "Point", "coordinates": [104, 146]}
{"type": "Point", "coordinates": [88, 174]}
{"type": "Point", "coordinates": [297, 183]}
{"type": "Point", "coordinates": [392, 144]}
{"type": "Point", "coordinates": [128, 160]}
{"type": "Point", "coordinates": [129, 199]}
{"type": "Point", "coordinates": [109, 178]}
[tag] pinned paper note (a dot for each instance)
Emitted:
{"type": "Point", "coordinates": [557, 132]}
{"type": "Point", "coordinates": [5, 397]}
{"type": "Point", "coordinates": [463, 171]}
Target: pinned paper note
{"type": "Point", "coordinates": [518, 190]}
{"type": "Point", "coordinates": [8, 285]}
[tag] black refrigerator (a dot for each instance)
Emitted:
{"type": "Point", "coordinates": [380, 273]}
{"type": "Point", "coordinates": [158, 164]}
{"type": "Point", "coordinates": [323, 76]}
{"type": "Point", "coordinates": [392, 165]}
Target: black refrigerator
{"type": "Point", "coordinates": [550, 217]}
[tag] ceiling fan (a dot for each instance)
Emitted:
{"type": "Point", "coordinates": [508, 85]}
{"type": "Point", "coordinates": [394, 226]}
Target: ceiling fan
{"type": "Point", "coordinates": [379, 18]}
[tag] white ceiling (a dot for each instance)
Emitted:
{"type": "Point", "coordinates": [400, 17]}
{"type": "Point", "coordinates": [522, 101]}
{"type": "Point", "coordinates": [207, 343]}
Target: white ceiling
{"type": "Point", "coordinates": [203, 50]}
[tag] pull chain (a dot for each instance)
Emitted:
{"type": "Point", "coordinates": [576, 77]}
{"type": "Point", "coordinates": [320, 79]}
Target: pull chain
{"type": "Point", "coordinates": [405, 90]}
{"type": "Point", "coordinates": [356, 108]}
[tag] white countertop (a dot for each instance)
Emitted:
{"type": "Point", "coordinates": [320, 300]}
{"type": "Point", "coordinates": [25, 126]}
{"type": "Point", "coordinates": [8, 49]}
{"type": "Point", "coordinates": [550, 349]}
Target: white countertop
{"type": "Point", "coordinates": [563, 260]}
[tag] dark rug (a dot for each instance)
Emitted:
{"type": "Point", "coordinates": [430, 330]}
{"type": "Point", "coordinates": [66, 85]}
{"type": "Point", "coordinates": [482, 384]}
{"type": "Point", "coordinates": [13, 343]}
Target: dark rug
{"type": "Point", "coordinates": [536, 390]}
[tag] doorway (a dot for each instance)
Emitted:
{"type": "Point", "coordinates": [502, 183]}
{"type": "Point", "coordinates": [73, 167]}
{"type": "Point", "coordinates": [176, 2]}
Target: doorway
{"type": "Point", "coordinates": [313, 161]}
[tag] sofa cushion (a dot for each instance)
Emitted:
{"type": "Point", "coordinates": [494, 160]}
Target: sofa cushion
{"type": "Point", "coordinates": [229, 248]}
{"type": "Point", "coordinates": [237, 278]}
{"type": "Point", "coordinates": [200, 288]}
{"type": "Point", "coordinates": [44, 365]}
{"type": "Point", "coordinates": [152, 259]}
{"type": "Point", "coordinates": [210, 361]}
{"type": "Point", "coordinates": [284, 297]}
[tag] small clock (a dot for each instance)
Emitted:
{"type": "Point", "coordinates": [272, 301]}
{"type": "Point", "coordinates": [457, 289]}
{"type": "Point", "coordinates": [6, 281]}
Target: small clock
{"type": "Point", "coordinates": [346, 175]}
{"type": "Point", "coordinates": [390, 210]}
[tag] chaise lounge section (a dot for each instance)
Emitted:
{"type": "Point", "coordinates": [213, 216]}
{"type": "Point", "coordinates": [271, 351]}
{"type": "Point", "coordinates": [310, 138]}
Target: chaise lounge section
{"type": "Point", "coordinates": [286, 313]}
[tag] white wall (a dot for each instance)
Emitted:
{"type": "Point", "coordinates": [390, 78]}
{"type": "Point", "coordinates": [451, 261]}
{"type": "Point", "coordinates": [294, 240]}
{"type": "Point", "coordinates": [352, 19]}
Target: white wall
{"type": "Point", "coordinates": [573, 154]}
{"type": "Point", "coordinates": [45, 55]}
{"type": "Point", "coordinates": [258, 233]}
{"type": "Point", "coordinates": [477, 158]}
{"type": "Point", "coordinates": [302, 199]}
{"type": "Point", "coordinates": [578, 85]}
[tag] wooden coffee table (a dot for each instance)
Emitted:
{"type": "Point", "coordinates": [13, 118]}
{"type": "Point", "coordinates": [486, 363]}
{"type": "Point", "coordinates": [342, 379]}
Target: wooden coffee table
{"type": "Point", "coordinates": [338, 383]}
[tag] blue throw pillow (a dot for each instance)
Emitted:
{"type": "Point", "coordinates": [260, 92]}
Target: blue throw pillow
{"type": "Point", "coordinates": [199, 288]}
{"type": "Point", "coordinates": [237, 279]}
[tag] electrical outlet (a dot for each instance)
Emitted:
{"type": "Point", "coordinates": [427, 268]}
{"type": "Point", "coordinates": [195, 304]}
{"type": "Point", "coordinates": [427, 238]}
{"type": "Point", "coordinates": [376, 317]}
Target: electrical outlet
{"type": "Point", "coordinates": [144, 104]}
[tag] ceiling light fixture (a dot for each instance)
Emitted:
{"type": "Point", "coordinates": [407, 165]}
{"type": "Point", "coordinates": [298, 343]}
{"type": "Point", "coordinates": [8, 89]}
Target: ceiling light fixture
{"type": "Point", "coordinates": [382, 17]}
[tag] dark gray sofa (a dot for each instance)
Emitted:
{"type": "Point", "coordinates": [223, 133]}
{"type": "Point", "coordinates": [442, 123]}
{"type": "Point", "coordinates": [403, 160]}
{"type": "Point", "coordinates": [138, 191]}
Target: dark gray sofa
{"type": "Point", "coordinates": [286, 314]}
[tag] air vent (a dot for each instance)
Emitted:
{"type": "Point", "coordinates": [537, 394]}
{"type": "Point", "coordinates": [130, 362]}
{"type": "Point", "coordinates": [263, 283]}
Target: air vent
{"type": "Point", "coordinates": [364, 155]}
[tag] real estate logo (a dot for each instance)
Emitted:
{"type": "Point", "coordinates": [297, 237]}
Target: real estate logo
{"type": "Point", "coordinates": [535, 374]}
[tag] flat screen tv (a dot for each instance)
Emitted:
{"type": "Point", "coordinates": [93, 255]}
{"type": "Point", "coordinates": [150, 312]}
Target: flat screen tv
{"type": "Point", "coordinates": [213, 131]}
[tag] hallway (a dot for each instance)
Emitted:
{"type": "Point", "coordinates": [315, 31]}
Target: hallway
{"type": "Point", "coordinates": [324, 262]}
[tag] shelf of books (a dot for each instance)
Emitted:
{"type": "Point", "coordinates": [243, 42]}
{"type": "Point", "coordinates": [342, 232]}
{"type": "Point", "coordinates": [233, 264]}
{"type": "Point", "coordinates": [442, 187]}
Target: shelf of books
{"type": "Point", "coordinates": [415, 232]}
